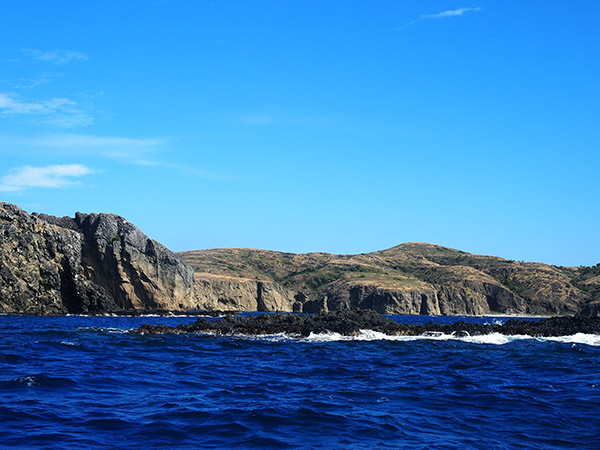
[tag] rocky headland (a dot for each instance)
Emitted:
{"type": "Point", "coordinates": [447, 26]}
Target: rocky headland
{"type": "Point", "coordinates": [92, 263]}
{"type": "Point", "coordinates": [101, 263]}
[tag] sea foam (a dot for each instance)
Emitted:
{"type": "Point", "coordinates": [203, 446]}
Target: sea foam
{"type": "Point", "coordinates": [488, 339]}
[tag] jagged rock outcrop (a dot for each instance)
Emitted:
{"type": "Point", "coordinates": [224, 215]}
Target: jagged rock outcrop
{"type": "Point", "coordinates": [39, 264]}
{"type": "Point", "coordinates": [101, 263]}
{"type": "Point", "coordinates": [92, 263]}
{"type": "Point", "coordinates": [134, 270]}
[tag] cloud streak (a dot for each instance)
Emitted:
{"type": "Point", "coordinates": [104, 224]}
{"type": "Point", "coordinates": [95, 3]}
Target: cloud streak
{"type": "Point", "coordinates": [57, 112]}
{"type": "Point", "coordinates": [70, 144]}
{"type": "Point", "coordinates": [441, 15]}
{"type": "Point", "coordinates": [141, 152]}
{"type": "Point", "coordinates": [30, 83]}
{"type": "Point", "coordinates": [98, 142]}
{"type": "Point", "coordinates": [48, 177]}
{"type": "Point", "coordinates": [57, 57]}
{"type": "Point", "coordinates": [450, 13]}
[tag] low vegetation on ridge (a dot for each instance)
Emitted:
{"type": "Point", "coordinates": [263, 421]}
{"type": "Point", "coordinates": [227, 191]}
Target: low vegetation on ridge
{"type": "Point", "coordinates": [405, 266]}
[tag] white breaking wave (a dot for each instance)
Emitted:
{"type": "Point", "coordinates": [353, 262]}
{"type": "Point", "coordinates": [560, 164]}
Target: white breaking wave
{"type": "Point", "coordinates": [579, 338]}
{"type": "Point", "coordinates": [170, 314]}
{"type": "Point", "coordinates": [102, 329]}
{"type": "Point", "coordinates": [495, 322]}
{"type": "Point", "coordinates": [370, 335]}
{"type": "Point", "coordinates": [28, 380]}
{"type": "Point", "coordinates": [489, 339]}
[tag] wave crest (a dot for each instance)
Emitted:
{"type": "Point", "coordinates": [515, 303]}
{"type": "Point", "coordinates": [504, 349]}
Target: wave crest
{"type": "Point", "coordinates": [489, 339]}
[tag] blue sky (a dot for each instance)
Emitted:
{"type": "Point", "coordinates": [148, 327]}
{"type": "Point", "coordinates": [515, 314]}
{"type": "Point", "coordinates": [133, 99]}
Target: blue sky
{"type": "Point", "coordinates": [336, 126]}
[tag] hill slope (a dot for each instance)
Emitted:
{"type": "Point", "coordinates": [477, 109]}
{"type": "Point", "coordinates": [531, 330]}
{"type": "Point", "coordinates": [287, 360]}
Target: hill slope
{"type": "Point", "coordinates": [412, 278]}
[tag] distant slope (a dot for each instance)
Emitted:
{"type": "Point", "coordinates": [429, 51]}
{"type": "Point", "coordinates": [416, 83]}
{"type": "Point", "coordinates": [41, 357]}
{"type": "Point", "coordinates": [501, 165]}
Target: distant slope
{"type": "Point", "coordinates": [411, 278]}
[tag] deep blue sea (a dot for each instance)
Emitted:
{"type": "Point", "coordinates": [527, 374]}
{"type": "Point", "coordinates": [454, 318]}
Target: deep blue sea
{"type": "Point", "coordinates": [85, 382]}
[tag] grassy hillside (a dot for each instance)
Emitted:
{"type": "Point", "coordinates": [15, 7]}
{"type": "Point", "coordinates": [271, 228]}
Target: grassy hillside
{"type": "Point", "coordinates": [410, 265]}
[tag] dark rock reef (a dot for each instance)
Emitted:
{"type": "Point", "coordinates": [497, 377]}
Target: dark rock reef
{"type": "Point", "coordinates": [351, 322]}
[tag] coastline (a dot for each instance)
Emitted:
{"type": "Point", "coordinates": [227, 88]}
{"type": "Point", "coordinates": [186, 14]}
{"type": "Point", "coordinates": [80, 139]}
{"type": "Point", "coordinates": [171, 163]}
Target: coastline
{"type": "Point", "coordinates": [352, 322]}
{"type": "Point", "coordinates": [218, 313]}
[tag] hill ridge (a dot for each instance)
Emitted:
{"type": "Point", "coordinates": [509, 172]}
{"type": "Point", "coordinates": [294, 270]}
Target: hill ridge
{"type": "Point", "coordinates": [477, 283]}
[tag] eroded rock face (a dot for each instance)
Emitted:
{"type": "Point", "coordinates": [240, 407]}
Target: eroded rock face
{"type": "Point", "coordinates": [468, 298]}
{"type": "Point", "coordinates": [412, 278]}
{"type": "Point", "coordinates": [226, 294]}
{"type": "Point", "coordinates": [136, 271]}
{"type": "Point", "coordinates": [101, 263]}
{"type": "Point", "coordinates": [38, 263]}
{"type": "Point", "coordinates": [92, 263]}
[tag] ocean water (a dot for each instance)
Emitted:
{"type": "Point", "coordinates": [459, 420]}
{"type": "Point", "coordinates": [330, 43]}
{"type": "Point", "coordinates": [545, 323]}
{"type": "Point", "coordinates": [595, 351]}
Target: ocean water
{"type": "Point", "coordinates": [85, 382]}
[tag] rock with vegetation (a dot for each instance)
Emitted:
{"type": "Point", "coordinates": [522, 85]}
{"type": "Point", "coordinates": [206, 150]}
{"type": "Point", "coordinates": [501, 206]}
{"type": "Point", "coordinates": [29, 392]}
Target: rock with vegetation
{"type": "Point", "coordinates": [412, 278]}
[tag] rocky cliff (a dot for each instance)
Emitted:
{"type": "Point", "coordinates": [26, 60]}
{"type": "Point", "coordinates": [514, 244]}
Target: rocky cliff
{"type": "Point", "coordinates": [238, 294]}
{"type": "Point", "coordinates": [92, 263]}
{"type": "Point", "coordinates": [98, 263]}
{"type": "Point", "coordinates": [101, 263]}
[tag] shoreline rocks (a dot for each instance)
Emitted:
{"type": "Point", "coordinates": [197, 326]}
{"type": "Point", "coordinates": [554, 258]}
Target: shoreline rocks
{"type": "Point", "coordinates": [351, 322]}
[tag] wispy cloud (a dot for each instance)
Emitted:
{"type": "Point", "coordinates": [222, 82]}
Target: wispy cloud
{"type": "Point", "coordinates": [87, 141]}
{"type": "Point", "coordinates": [450, 13]}
{"type": "Point", "coordinates": [57, 112]}
{"type": "Point", "coordinates": [441, 15]}
{"type": "Point", "coordinates": [128, 149]}
{"type": "Point", "coordinates": [403, 27]}
{"type": "Point", "coordinates": [48, 177]}
{"type": "Point", "coordinates": [143, 152]}
{"type": "Point", "coordinates": [30, 83]}
{"type": "Point", "coordinates": [83, 145]}
{"type": "Point", "coordinates": [201, 173]}
{"type": "Point", "coordinates": [58, 57]}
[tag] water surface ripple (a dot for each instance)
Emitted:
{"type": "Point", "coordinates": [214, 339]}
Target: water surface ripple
{"type": "Point", "coordinates": [84, 382]}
